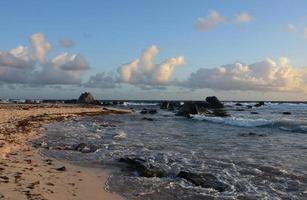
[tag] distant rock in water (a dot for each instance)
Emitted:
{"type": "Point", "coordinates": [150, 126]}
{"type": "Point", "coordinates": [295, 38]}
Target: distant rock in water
{"type": "Point", "coordinates": [287, 113]}
{"type": "Point", "coordinates": [213, 102]}
{"type": "Point", "coordinates": [87, 98]}
{"type": "Point", "coordinates": [211, 107]}
{"type": "Point", "coordinates": [148, 111]}
{"type": "Point", "coordinates": [192, 108]}
{"type": "Point", "coordinates": [259, 104]}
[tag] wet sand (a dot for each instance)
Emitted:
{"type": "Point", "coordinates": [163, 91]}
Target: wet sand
{"type": "Point", "coordinates": [25, 174]}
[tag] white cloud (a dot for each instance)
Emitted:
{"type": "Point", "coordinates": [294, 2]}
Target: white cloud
{"type": "Point", "coordinates": [267, 75]}
{"type": "Point", "coordinates": [291, 28]}
{"type": "Point", "coordinates": [40, 46]}
{"type": "Point", "coordinates": [144, 71]}
{"type": "Point", "coordinates": [209, 22]}
{"type": "Point", "coordinates": [31, 66]}
{"type": "Point", "coordinates": [243, 17]}
{"type": "Point", "coordinates": [66, 42]}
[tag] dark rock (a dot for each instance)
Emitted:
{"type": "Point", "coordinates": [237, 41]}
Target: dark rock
{"type": "Point", "coordinates": [142, 168]}
{"type": "Point", "coordinates": [213, 102]}
{"type": "Point", "coordinates": [86, 98]}
{"type": "Point", "coordinates": [192, 108]}
{"type": "Point", "coordinates": [240, 109]}
{"type": "Point", "coordinates": [147, 119]}
{"type": "Point", "coordinates": [286, 113]}
{"type": "Point", "coordinates": [252, 134]}
{"type": "Point", "coordinates": [238, 104]}
{"type": "Point", "coordinates": [148, 111]}
{"type": "Point", "coordinates": [259, 104]}
{"type": "Point", "coordinates": [204, 180]}
{"type": "Point", "coordinates": [61, 169]}
{"type": "Point", "coordinates": [254, 113]}
{"type": "Point", "coordinates": [84, 148]}
{"type": "Point", "coordinates": [249, 106]}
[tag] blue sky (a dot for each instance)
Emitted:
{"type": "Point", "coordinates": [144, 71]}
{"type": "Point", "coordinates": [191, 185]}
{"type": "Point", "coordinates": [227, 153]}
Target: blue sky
{"type": "Point", "coordinates": [110, 33]}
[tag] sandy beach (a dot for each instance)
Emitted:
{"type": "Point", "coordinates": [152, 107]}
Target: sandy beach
{"type": "Point", "coordinates": [25, 174]}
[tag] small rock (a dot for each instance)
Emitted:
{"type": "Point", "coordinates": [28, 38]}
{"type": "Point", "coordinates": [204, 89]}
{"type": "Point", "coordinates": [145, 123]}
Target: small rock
{"type": "Point", "coordinates": [286, 113]}
{"type": "Point", "coordinates": [254, 113]}
{"type": "Point", "coordinates": [63, 168]}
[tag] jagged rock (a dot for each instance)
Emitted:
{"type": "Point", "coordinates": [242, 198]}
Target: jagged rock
{"type": "Point", "coordinates": [213, 102]}
{"type": "Point", "coordinates": [238, 104]}
{"type": "Point", "coordinates": [87, 98]}
{"type": "Point", "coordinates": [142, 168]}
{"type": "Point", "coordinates": [204, 180]}
{"type": "Point", "coordinates": [191, 108]}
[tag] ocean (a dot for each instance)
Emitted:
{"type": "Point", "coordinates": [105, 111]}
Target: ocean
{"type": "Point", "coordinates": [255, 153]}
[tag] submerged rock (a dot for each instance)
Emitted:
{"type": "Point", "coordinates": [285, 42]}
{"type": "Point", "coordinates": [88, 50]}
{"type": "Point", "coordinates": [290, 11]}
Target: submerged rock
{"type": "Point", "coordinates": [204, 180]}
{"type": "Point", "coordinates": [147, 119]}
{"type": "Point", "coordinates": [84, 148]}
{"type": "Point", "coordinates": [286, 113]}
{"type": "Point", "coordinates": [254, 113]}
{"type": "Point", "coordinates": [142, 168]}
{"type": "Point", "coordinates": [252, 134]}
{"type": "Point", "coordinates": [149, 111]}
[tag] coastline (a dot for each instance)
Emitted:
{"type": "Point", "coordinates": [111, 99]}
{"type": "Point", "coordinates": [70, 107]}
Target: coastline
{"type": "Point", "coordinates": [25, 174]}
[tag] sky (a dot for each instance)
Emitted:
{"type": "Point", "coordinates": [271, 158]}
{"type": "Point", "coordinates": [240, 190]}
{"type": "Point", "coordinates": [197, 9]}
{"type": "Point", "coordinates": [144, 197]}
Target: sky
{"type": "Point", "coordinates": [236, 50]}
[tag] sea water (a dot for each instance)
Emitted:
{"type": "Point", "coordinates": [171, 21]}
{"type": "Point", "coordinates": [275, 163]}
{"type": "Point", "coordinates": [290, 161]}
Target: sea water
{"type": "Point", "coordinates": [258, 156]}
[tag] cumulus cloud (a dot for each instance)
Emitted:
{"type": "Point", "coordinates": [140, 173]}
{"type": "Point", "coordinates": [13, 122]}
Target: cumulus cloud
{"type": "Point", "coordinates": [40, 47]}
{"type": "Point", "coordinates": [291, 28]}
{"type": "Point", "coordinates": [66, 42]}
{"type": "Point", "coordinates": [209, 22]}
{"type": "Point", "coordinates": [144, 71]}
{"type": "Point", "coordinates": [31, 66]}
{"type": "Point", "coordinates": [267, 75]}
{"type": "Point", "coordinates": [243, 17]}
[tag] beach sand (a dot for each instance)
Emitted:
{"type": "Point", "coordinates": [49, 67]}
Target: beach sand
{"type": "Point", "coordinates": [25, 174]}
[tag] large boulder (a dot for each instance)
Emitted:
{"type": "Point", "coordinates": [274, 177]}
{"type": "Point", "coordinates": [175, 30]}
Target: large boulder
{"type": "Point", "coordinates": [86, 98]}
{"type": "Point", "coordinates": [214, 102]}
{"type": "Point", "coordinates": [191, 108]}
{"type": "Point", "coordinates": [204, 180]}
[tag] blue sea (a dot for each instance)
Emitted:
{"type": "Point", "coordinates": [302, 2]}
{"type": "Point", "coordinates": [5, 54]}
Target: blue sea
{"type": "Point", "coordinates": [256, 153]}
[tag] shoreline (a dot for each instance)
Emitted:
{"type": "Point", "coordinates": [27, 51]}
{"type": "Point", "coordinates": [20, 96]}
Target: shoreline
{"type": "Point", "coordinates": [26, 174]}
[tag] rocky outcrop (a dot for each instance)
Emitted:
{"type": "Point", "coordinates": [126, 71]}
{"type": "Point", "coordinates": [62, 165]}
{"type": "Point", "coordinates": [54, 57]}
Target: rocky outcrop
{"type": "Point", "coordinates": [142, 168]}
{"type": "Point", "coordinates": [259, 104]}
{"type": "Point", "coordinates": [213, 102]}
{"type": "Point", "coordinates": [87, 98]}
{"type": "Point", "coordinates": [204, 180]}
{"type": "Point", "coordinates": [211, 107]}
{"type": "Point", "coordinates": [191, 108]}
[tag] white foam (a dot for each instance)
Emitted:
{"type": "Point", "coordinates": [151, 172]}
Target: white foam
{"type": "Point", "coordinates": [120, 135]}
{"type": "Point", "coordinates": [139, 104]}
{"type": "Point", "coordinates": [233, 121]}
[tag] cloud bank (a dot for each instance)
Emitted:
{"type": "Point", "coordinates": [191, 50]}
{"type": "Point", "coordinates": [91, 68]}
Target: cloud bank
{"type": "Point", "coordinates": [30, 65]}
{"type": "Point", "coordinates": [267, 75]}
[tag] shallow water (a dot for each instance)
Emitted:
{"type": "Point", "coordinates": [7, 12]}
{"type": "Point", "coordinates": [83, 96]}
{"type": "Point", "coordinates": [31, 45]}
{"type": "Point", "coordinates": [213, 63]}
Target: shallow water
{"type": "Point", "coordinates": [271, 163]}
